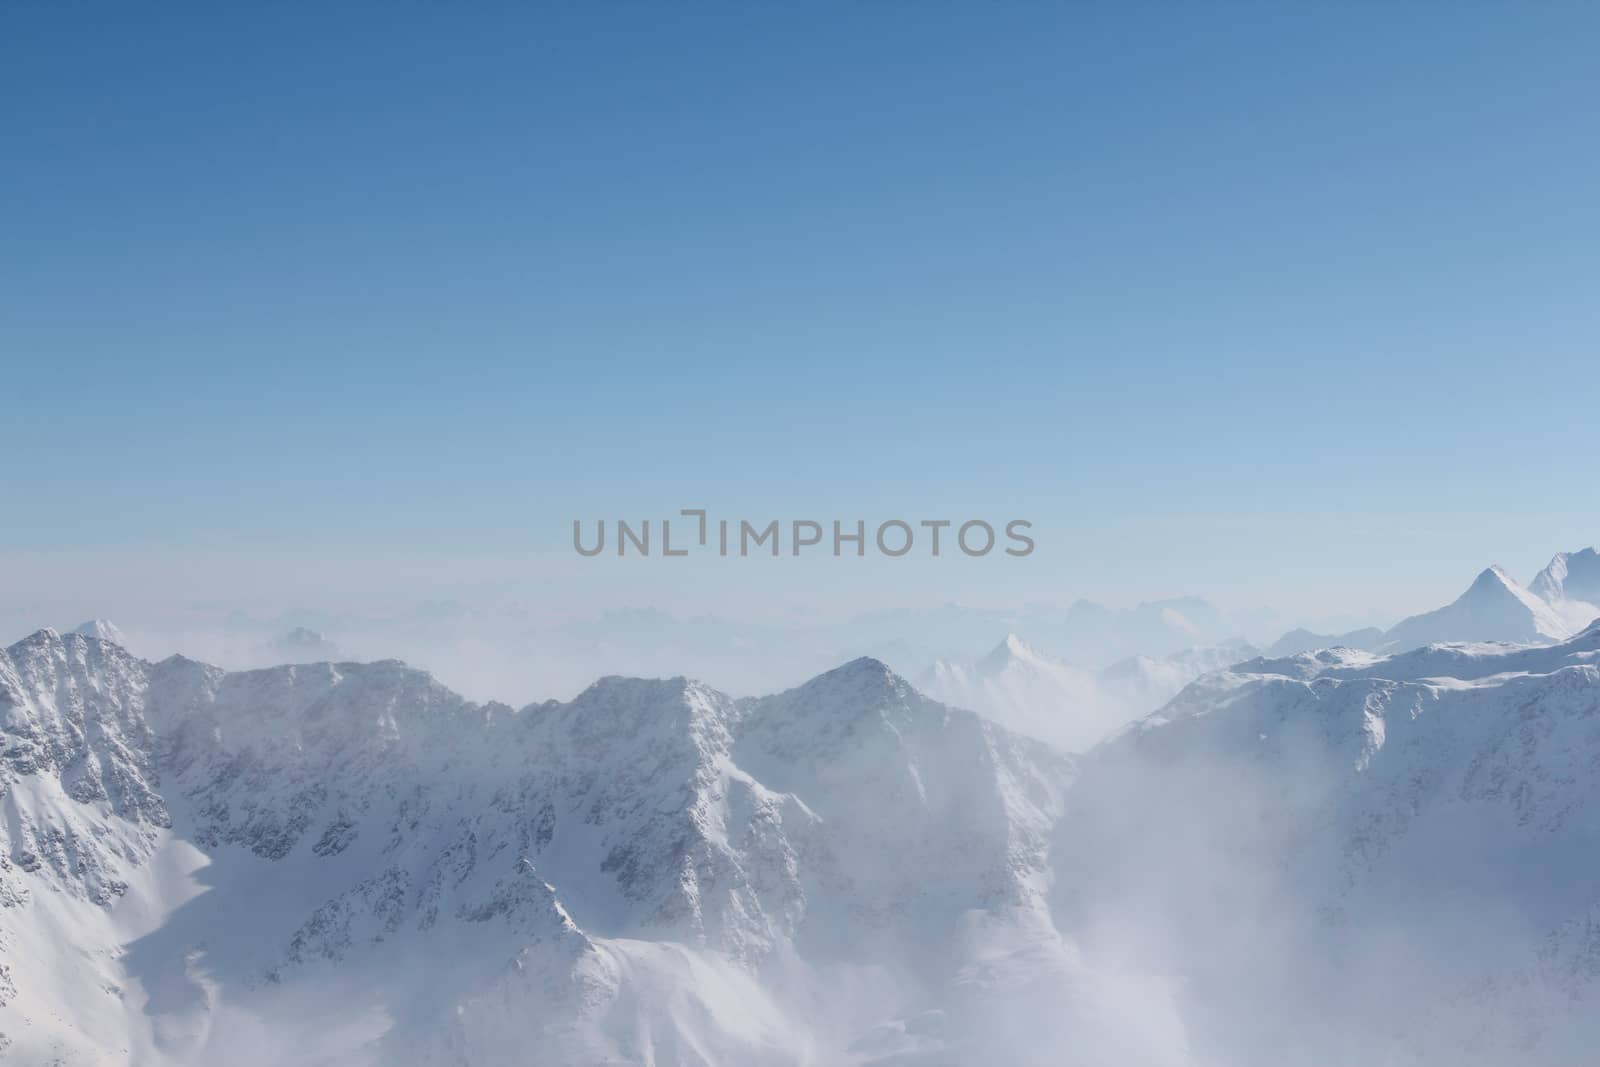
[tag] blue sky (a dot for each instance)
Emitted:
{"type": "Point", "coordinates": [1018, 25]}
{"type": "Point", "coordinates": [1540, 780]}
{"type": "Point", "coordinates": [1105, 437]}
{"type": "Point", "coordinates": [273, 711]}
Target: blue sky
{"type": "Point", "coordinates": [1284, 304]}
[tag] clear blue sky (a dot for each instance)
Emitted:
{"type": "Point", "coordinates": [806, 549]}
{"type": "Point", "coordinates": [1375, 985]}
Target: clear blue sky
{"type": "Point", "coordinates": [1269, 298]}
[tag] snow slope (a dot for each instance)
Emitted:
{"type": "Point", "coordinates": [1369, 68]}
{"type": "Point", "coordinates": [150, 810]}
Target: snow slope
{"type": "Point", "coordinates": [1327, 858]}
{"type": "Point", "coordinates": [1571, 585]}
{"type": "Point", "coordinates": [347, 863]}
{"type": "Point", "coordinates": [1140, 684]}
{"type": "Point", "coordinates": [1359, 858]}
{"type": "Point", "coordinates": [1494, 608]}
{"type": "Point", "coordinates": [1027, 691]}
{"type": "Point", "coordinates": [101, 629]}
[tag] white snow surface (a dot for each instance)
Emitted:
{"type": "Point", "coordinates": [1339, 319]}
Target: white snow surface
{"type": "Point", "coordinates": [1496, 607]}
{"type": "Point", "coordinates": [101, 629]}
{"type": "Point", "coordinates": [347, 863]}
{"type": "Point", "coordinates": [1571, 585]}
{"type": "Point", "coordinates": [1326, 858]}
{"type": "Point", "coordinates": [1385, 859]}
{"type": "Point", "coordinates": [1069, 706]}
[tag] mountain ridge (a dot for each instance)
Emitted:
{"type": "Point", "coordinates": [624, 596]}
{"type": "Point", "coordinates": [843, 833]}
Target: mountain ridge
{"type": "Point", "coordinates": [846, 871]}
{"type": "Point", "coordinates": [364, 806]}
{"type": "Point", "coordinates": [1495, 607]}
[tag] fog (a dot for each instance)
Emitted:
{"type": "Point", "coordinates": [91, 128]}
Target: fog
{"type": "Point", "coordinates": [1331, 859]}
{"type": "Point", "coordinates": [491, 649]}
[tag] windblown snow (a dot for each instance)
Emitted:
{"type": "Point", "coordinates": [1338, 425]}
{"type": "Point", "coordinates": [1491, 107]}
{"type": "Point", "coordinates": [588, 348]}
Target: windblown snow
{"type": "Point", "coordinates": [1494, 608]}
{"type": "Point", "coordinates": [1069, 706]}
{"type": "Point", "coordinates": [1331, 857]}
{"type": "Point", "coordinates": [347, 863]}
{"type": "Point", "coordinates": [1571, 585]}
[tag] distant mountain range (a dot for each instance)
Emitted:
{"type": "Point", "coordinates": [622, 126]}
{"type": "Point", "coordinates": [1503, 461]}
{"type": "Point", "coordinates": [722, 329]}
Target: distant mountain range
{"type": "Point", "coordinates": [1072, 695]}
{"type": "Point", "coordinates": [1571, 585]}
{"type": "Point", "coordinates": [1562, 600]}
{"type": "Point", "coordinates": [1332, 857]}
{"type": "Point", "coordinates": [1494, 608]}
{"type": "Point", "coordinates": [101, 630]}
{"type": "Point", "coordinates": [1074, 707]}
{"type": "Point", "coordinates": [348, 863]}
{"type": "Point", "coordinates": [1028, 691]}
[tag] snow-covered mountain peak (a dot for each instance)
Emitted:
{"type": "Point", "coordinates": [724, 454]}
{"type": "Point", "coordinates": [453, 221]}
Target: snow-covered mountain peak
{"type": "Point", "coordinates": [1009, 651]}
{"type": "Point", "coordinates": [861, 705]}
{"type": "Point", "coordinates": [44, 637]}
{"type": "Point", "coordinates": [1549, 582]}
{"type": "Point", "coordinates": [1494, 587]}
{"type": "Point", "coordinates": [1438, 795]}
{"type": "Point", "coordinates": [1017, 685]}
{"type": "Point", "coordinates": [1571, 586]}
{"type": "Point", "coordinates": [1494, 579]}
{"type": "Point", "coordinates": [1494, 608]}
{"type": "Point", "coordinates": [552, 861]}
{"type": "Point", "coordinates": [846, 872]}
{"type": "Point", "coordinates": [53, 659]}
{"type": "Point", "coordinates": [101, 630]}
{"type": "Point", "coordinates": [855, 686]}
{"type": "Point", "coordinates": [1569, 574]}
{"type": "Point", "coordinates": [652, 716]}
{"type": "Point", "coordinates": [616, 688]}
{"type": "Point", "coordinates": [864, 667]}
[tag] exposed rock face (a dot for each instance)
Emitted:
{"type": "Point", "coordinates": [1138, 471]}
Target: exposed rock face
{"type": "Point", "coordinates": [356, 810]}
{"type": "Point", "coordinates": [352, 864]}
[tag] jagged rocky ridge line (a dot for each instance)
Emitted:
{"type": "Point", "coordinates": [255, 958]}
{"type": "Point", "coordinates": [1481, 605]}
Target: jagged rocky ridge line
{"type": "Point", "coordinates": [652, 810]}
{"type": "Point", "coordinates": [355, 865]}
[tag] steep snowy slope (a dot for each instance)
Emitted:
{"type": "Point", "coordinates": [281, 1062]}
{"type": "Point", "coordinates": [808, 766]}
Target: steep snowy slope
{"type": "Point", "coordinates": [346, 863]}
{"type": "Point", "coordinates": [101, 629]}
{"type": "Point", "coordinates": [1358, 858]}
{"type": "Point", "coordinates": [1328, 858]}
{"type": "Point", "coordinates": [1140, 684]}
{"type": "Point", "coordinates": [1571, 585]}
{"type": "Point", "coordinates": [890, 876]}
{"type": "Point", "coordinates": [1027, 691]}
{"type": "Point", "coordinates": [1494, 608]}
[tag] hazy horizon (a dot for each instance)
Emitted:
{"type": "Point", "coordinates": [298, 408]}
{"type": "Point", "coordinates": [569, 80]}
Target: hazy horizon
{"type": "Point", "coordinates": [363, 311]}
